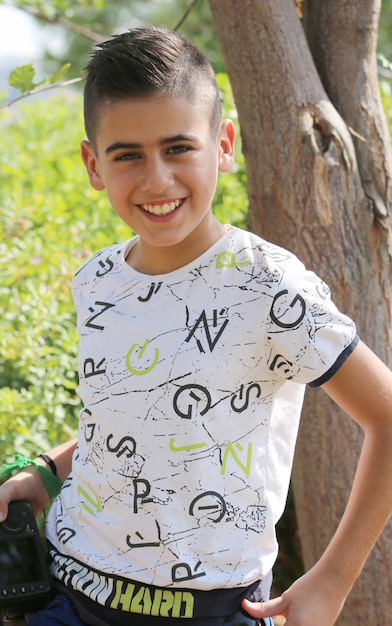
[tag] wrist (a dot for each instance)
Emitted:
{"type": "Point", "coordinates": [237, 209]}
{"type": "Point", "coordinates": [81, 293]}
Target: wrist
{"type": "Point", "coordinates": [333, 577]}
{"type": "Point", "coordinates": [51, 482]}
{"type": "Point", "coordinates": [49, 462]}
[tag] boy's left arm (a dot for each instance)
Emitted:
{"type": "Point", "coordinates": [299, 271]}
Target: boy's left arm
{"type": "Point", "coordinates": [363, 388]}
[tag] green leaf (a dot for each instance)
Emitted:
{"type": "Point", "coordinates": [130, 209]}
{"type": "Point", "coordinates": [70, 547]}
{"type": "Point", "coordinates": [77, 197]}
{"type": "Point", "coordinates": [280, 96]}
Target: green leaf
{"type": "Point", "coordinates": [22, 78]}
{"type": "Point", "coordinates": [58, 75]}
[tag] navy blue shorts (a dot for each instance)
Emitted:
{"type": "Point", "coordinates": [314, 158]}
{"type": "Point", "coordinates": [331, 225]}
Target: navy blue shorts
{"type": "Point", "coordinates": [60, 612]}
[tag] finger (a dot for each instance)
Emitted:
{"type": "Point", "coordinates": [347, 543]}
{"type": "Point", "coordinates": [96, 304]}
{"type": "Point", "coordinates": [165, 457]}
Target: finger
{"type": "Point", "coordinates": [270, 608]}
{"type": "Point", "coordinates": [3, 512]}
{"type": "Point", "coordinates": [4, 500]}
{"type": "Point", "coordinates": [11, 490]}
{"type": "Point", "coordinates": [279, 620]}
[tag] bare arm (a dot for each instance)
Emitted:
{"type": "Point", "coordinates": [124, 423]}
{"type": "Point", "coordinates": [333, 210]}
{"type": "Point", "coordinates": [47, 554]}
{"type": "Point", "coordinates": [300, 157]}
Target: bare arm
{"type": "Point", "coordinates": [28, 485]}
{"type": "Point", "coordinates": [62, 456]}
{"type": "Point", "coordinates": [363, 388]}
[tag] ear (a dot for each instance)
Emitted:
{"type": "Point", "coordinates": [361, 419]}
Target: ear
{"type": "Point", "coordinates": [90, 161]}
{"type": "Point", "coordinates": [226, 146]}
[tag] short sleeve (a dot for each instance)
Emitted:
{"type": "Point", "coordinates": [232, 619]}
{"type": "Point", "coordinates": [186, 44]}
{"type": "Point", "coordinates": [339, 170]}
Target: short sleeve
{"type": "Point", "coordinates": [308, 338]}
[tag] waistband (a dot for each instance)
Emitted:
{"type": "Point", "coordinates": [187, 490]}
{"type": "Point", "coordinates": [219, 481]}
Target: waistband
{"type": "Point", "coordinates": [103, 599]}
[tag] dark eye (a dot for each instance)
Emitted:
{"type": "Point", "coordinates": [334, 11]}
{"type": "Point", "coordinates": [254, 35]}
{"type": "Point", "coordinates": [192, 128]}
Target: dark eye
{"type": "Point", "coordinates": [127, 156]}
{"type": "Point", "coordinates": [179, 149]}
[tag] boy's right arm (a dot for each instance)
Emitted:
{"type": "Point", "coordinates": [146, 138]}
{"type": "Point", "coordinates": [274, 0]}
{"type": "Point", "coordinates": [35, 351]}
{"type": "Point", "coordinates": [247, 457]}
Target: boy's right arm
{"type": "Point", "coordinates": [28, 485]}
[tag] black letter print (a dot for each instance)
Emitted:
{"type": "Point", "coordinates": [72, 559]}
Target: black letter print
{"type": "Point", "coordinates": [106, 265]}
{"type": "Point", "coordinates": [203, 321]}
{"type": "Point", "coordinates": [213, 502]}
{"type": "Point", "coordinates": [122, 447]}
{"type": "Point", "coordinates": [142, 543]}
{"type": "Point", "coordinates": [89, 368]}
{"type": "Point", "coordinates": [279, 362]}
{"type": "Point", "coordinates": [178, 576]}
{"type": "Point", "coordinates": [191, 399]}
{"type": "Point", "coordinates": [105, 306]}
{"type": "Point", "coordinates": [65, 534]}
{"type": "Point", "coordinates": [280, 310]}
{"type": "Point", "coordinates": [245, 403]}
{"type": "Point", "coordinates": [155, 287]}
{"type": "Point", "coordinates": [142, 494]}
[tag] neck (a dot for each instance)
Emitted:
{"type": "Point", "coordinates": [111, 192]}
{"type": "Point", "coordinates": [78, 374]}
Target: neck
{"type": "Point", "coordinates": [153, 260]}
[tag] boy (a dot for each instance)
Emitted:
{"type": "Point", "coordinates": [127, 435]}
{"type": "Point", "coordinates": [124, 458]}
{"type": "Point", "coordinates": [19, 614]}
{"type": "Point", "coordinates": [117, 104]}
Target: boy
{"type": "Point", "coordinates": [196, 343]}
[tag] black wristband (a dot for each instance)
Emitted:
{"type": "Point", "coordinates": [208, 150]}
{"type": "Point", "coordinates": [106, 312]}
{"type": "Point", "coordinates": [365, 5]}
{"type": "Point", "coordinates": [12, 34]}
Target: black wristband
{"type": "Point", "coordinates": [50, 462]}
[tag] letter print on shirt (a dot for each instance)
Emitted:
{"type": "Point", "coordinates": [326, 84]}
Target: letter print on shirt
{"type": "Point", "coordinates": [191, 410]}
{"type": "Point", "coordinates": [182, 376]}
{"type": "Point", "coordinates": [204, 323]}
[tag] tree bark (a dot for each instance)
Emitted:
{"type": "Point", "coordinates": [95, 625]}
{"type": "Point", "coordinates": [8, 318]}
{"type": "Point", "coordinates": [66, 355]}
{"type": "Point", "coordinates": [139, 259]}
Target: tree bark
{"type": "Point", "coordinates": [318, 163]}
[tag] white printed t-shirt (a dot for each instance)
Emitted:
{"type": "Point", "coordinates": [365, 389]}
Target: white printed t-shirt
{"type": "Point", "coordinates": [192, 384]}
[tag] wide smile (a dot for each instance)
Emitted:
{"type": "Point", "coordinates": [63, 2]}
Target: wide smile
{"type": "Point", "coordinates": [163, 208]}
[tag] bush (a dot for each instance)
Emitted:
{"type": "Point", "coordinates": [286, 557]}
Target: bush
{"type": "Point", "coordinates": [51, 220]}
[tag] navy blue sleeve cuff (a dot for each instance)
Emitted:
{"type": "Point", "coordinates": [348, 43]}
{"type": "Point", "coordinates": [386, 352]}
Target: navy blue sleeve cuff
{"type": "Point", "coordinates": [337, 365]}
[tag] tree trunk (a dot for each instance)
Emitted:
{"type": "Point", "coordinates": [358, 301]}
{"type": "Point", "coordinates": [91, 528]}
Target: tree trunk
{"type": "Point", "coordinates": [319, 170]}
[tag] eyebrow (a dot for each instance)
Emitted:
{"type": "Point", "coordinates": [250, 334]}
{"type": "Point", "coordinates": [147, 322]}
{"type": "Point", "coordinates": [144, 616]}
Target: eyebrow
{"type": "Point", "coordinates": [124, 145]}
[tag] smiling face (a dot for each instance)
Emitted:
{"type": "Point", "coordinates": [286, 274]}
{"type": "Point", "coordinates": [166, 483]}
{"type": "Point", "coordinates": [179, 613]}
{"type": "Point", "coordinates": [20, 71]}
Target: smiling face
{"type": "Point", "coordinates": [158, 159]}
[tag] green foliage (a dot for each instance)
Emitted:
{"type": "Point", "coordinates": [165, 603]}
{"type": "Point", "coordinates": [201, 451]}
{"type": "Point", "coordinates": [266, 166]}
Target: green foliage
{"type": "Point", "coordinates": [386, 98]}
{"type": "Point", "coordinates": [231, 200]}
{"type": "Point", "coordinates": [23, 77]}
{"type": "Point", "coordinates": [84, 22]}
{"type": "Point", "coordinates": [51, 221]}
{"type": "Point", "coordinates": [384, 43]}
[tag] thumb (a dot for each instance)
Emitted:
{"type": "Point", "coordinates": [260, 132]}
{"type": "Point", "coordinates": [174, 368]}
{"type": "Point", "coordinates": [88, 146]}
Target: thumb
{"type": "Point", "coordinates": [270, 608]}
{"type": "Point", "coordinates": [5, 499]}
{"type": "Point", "coordinates": [3, 509]}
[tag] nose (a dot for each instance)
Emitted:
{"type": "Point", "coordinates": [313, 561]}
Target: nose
{"type": "Point", "coordinates": [157, 175]}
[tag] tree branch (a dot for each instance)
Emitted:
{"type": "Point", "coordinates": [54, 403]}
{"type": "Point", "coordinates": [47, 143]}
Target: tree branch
{"type": "Point", "coordinates": [80, 30]}
{"type": "Point", "coordinates": [71, 26]}
{"type": "Point", "coordinates": [33, 92]}
{"type": "Point", "coordinates": [182, 20]}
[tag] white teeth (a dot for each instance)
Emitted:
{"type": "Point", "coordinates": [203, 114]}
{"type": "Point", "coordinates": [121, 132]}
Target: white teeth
{"type": "Point", "coordinates": [161, 209]}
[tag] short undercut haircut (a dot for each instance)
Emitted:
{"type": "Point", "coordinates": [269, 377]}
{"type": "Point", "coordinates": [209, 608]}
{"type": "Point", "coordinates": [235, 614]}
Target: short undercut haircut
{"type": "Point", "coordinates": [144, 62]}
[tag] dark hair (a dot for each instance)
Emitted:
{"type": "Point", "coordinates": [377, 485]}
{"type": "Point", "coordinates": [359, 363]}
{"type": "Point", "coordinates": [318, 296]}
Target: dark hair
{"type": "Point", "coordinates": [143, 62]}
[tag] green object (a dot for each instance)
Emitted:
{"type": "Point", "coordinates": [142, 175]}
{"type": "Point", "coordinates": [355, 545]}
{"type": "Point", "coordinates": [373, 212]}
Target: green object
{"type": "Point", "coordinates": [51, 482]}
